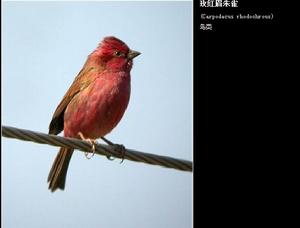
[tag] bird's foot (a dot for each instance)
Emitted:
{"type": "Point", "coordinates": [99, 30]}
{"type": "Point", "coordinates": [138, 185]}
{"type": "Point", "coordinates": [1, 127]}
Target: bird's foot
{"type": "Point", "coordinates": [119, 148]}
{"type": "Point", "coordinates": [93, 143]}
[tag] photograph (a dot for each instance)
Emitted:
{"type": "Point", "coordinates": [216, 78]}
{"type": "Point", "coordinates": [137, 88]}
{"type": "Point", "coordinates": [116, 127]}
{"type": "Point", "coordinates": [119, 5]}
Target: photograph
{"type": "Point", "coordinates": [97, 114]}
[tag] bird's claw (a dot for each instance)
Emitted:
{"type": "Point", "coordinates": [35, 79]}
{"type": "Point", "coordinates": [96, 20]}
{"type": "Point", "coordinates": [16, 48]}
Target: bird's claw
{"type": "Point", "coordinates": [119, 148]}
{"type": "Point", "coordinates": [93, 143]}
{"type": "Point", "coordinates": [109, 158]}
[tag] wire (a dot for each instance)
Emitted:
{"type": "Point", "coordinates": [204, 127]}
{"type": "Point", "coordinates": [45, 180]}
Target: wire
{"type": "Point", "coordinates": [100, 149]}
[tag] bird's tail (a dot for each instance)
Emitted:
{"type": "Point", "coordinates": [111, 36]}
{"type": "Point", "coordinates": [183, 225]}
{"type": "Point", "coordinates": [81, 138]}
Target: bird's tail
{"type": "Point", "coordinates": [58, 172]}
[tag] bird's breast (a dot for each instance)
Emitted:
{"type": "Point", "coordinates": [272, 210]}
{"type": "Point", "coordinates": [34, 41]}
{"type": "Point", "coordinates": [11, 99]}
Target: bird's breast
{"type": "Point", "coordinates": [96, 110]}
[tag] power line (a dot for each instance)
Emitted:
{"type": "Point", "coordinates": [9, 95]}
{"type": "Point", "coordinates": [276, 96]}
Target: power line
{"type": "Point", "coordinates": [100, 149]}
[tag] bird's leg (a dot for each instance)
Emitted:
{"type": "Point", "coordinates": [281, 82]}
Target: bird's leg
{"type": "Point", "coordinates": [93, 142]}
{"type": "Point", "coordinates": [117, 147]}
{"type": "Point", "coordinates": [109, 143]}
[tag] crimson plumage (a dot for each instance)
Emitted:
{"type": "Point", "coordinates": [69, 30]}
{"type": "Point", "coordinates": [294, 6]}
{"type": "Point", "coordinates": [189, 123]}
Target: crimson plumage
{"type": "Point", "coordinates": [95, 102]}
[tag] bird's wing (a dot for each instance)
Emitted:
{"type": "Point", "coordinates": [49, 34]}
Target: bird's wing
{"type": "Point", "coordinates": [82, 80]}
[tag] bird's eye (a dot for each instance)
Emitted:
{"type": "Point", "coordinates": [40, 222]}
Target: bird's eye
{"type": "Point", "coordinates": [118, 53]}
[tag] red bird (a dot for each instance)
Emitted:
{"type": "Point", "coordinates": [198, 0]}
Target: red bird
{"type": "Point", "coordinates": [95, 102]}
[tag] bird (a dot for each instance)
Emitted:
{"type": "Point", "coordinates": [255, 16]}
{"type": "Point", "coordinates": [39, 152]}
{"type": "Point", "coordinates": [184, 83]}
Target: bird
{"type": "Point", "coordinates": [95, 102]}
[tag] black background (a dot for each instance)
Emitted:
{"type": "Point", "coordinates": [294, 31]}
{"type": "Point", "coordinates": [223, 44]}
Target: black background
{"type": "Point", "coordinates": [236, 78]}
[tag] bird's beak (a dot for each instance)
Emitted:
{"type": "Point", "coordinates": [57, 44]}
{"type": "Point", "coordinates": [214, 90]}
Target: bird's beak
{"type": "Point", "coordinates": [132, 54]}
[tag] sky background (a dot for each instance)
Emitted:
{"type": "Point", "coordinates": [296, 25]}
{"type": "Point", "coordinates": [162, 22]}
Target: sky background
{"type": "Point", "coordinates": [44, 46]}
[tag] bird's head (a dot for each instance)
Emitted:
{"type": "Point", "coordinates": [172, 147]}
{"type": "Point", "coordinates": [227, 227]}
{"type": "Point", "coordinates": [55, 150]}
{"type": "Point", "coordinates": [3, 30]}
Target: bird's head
{"type": "Point", "coordinates": [114, 54]}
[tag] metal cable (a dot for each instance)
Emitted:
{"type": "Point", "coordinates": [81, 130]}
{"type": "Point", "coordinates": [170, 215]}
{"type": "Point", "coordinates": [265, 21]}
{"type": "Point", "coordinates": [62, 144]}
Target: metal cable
{"type": "Point", "coordinates": [101, 149]}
